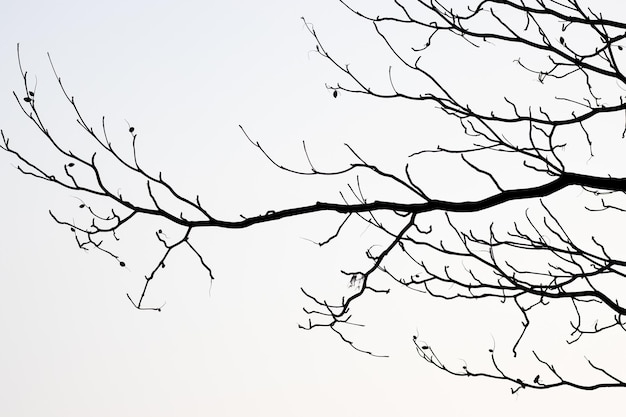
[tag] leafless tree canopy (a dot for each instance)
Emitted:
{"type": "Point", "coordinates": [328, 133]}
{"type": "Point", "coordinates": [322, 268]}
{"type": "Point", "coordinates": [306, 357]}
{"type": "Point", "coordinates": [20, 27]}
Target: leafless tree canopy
{"type": "Point", "coordinates": [558, 150]}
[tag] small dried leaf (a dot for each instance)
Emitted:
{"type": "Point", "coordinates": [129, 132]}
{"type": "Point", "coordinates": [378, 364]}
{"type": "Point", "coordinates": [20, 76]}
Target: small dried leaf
{"type": "Point", "coordinates": [131, 129]}
{"type": "Point", "coordinates": [425, 347]}
{"type": "Point", "coordinates": [27, 99]}
{"type": "Point", "coordinates": [335, 94]}
{"type": "Point", "coordinates": [81, 206]}
{"type": "Point", "coordinates": [562, 40]}
{"type": "Point", "coordinates": [122, 264]}
{"type": "Point", "coordinates": [30, 93]}
{"type": "Point", "coordinates": [71, 164]}
{"type": "Point", "coordinates": [620, 47]}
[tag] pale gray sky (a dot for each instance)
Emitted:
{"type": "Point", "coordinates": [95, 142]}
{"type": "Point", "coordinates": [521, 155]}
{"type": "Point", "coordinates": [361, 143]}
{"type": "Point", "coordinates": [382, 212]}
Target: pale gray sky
{"type": "Point", "coordinates": [185, 74]}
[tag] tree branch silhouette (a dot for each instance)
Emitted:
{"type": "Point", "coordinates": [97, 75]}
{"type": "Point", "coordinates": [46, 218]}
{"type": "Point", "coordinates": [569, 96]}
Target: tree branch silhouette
{"type": "Point", "coordinates": [536, 262]}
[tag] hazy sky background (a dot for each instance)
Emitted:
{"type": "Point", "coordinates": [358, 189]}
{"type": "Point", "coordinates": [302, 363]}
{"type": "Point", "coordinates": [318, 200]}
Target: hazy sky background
{"type": "Point", "coordinates": [185, 74]}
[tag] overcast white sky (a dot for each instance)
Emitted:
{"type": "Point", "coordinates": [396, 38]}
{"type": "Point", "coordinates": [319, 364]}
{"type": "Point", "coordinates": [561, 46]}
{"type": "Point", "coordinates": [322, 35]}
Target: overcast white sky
{"type": "Point", "coordinates": [185, 74]}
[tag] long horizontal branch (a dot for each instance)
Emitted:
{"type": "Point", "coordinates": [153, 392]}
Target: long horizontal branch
{"type": "Point", "coordinates": [563, 181]}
